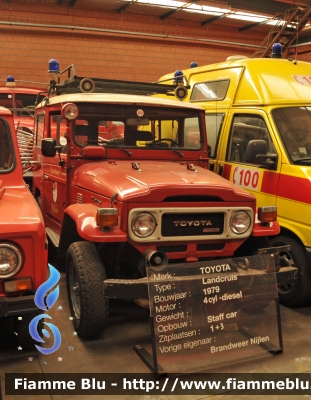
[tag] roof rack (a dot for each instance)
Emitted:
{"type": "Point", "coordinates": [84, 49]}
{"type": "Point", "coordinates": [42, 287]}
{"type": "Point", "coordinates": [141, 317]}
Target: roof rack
{"type": "Point", "coordinates": [76, 84]}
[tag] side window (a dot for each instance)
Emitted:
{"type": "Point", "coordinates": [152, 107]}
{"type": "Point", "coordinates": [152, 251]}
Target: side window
{"type": "Point", "coordinates": [213, 128]}
{"type": "Point", "coordinates": [6, 148]}
{"type": "Point", "coordinates": [6, 100]}
{"type": "Point", "coordinates": [245, 128]}
{"type": "Point", "coordinates": [210, 90]}
{"type": "Point", "coordinates": [39, 129]}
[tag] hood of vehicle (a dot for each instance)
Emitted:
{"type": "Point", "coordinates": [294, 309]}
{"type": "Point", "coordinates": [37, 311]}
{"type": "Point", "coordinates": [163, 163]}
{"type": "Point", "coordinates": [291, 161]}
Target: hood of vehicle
{"type": "Point", "coordinates": [19, 211]}
{"type": "Point", "coordinates": [151, 181]}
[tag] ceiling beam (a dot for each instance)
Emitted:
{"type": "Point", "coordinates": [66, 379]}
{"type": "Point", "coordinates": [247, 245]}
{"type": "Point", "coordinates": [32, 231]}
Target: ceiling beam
{"type": "Point", "coordinates": [126, 6]}
{"type": "Point", "coordinates": [168, 14]}
{"type": "Point", "coordinates": [210, 20]}
{"type": "Point", "coordinates": [250, 26]}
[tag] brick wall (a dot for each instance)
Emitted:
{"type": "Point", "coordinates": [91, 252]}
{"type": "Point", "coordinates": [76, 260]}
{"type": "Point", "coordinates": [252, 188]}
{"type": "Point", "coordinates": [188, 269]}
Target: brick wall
{"type": "Point", "coordinates": [111, 45]}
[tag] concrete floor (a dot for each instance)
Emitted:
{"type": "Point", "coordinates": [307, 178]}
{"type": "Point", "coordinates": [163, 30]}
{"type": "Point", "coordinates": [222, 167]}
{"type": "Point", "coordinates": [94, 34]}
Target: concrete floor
{"type": "Point", "coordinates": [129, 326]}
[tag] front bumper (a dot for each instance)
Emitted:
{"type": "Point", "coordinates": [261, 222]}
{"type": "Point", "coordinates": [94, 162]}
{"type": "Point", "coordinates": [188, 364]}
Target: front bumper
{"type": "Point", "coordinates": [10, 306]}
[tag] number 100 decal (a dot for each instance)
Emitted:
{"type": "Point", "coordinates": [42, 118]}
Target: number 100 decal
{"type": "Point", "coordinates": [246, 177]}
{"type": "Point", "coordinates": [46, 301]}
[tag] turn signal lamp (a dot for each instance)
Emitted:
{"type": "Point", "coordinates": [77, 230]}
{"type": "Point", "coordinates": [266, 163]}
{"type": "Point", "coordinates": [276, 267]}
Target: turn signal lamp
{"type": "Point", "coordinates": [106, 217]}
{"type": "Point", "coordinates": [10, 81]}
{"type": "Point", "coordinates": [267, 214]}
{"type": "Point", "coordinates": [70, 111]}
{"type": "Point", "coordinates": [53, 70]}
{"type": "Point", "coordinates": [18, 285]}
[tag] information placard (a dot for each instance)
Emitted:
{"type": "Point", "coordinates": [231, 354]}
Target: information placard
{"type": "Point", "coordinates": [213, 313]}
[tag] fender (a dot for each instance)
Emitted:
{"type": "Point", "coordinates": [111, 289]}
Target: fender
{"type": "Point", "coordinates": [266, 229]}
{"type": "Point", "coordinates": [79, 220]}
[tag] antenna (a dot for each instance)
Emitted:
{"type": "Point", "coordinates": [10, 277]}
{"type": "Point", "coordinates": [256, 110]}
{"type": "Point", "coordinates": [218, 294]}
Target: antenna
{"type": "Point", "coordinates": [295, 62]}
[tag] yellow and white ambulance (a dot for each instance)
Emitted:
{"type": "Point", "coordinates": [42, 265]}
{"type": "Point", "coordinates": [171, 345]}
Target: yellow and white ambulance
{"type": "Point", "coordinates": [258, 116]}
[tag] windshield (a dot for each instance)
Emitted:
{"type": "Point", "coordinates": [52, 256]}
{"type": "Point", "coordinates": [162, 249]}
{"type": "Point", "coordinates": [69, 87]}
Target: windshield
{"type": "Point", "coordinates": [294, 126]}
{"type": "Point", "coordinates": [20, 104]}
{"type": "Point", "coordinates": [138, 126]}
{"type": "Point", "coordinates": [7, 158]}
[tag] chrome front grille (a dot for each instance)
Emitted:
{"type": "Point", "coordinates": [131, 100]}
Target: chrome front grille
{"type": "Point", "coordinates": [190, 224]}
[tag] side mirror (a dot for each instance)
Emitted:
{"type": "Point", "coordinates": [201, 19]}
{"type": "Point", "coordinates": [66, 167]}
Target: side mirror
{"type": "Point", "coordinates": [48, 147]}
{"type": "Point", "coordinates": [256, 153]}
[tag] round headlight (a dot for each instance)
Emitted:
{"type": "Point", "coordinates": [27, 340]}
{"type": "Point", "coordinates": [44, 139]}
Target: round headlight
{"type": "Point", "coordinates": [10, 260]}
{"type": "Point", "coordinates": [70, 111]}
{"type": "Point", "coordinates": [240, 222]}
{"type": "Point", "coordinates": [143, 225]}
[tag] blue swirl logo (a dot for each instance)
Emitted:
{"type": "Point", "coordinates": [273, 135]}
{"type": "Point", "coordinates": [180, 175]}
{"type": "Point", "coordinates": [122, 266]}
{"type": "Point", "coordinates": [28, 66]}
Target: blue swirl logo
{"type": "Point", "coordinates": [45, 301]}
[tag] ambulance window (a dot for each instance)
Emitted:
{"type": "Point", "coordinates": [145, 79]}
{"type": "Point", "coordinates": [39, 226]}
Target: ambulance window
{"type": "Point", "coordinates": [294, 126]}
{"type": "Point", "coordinates": [39, 129]}
{"type": "Point", "coordinates": [213, 128]}
{"type": "Point", "coordinates": [245, 128]}
{"type": "Point", "coordinates": [212, 90]}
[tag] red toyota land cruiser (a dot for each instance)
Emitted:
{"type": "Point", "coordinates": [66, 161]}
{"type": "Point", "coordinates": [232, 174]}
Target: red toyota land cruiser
{"type": "Point", "coordinates": [23, 243]}
{"type": "Point", "coordinates": [145, 197]}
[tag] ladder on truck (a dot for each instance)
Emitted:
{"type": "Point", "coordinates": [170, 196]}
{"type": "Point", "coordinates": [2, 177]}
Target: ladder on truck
{"type": "Point", "coordinates": [285, 31]}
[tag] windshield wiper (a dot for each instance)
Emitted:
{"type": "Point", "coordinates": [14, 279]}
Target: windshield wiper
{"type": "Point", "coordinates": [160, 146]}
{"type": "Point", "coordinates": [176, 151]}
{"type": "Point", "coordinates": [114, 146]}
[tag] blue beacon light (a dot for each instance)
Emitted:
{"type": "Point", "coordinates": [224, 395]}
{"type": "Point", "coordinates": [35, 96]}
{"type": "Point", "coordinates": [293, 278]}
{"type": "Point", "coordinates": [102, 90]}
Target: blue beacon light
{"type": "Point", "coordinates": [194, 64]}
{"type": "Point", "coordinates": [10, 81]}
{"type": "Point", "coordinates": [178, 76]}
{"type": "Point", "coordinates": [53, 70]}
{"type": "Point", "coordinates": [53, 67]}
{"type": "Point", "coordinates": [277, 50]}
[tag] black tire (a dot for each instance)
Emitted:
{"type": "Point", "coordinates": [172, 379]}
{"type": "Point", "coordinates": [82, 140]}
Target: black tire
{"type": "Point", "coordinates": [85, 274]}
{"type": "Point", "coordinates": [251, 246]}
{"type": "Point", "coordinates": [300, 292]}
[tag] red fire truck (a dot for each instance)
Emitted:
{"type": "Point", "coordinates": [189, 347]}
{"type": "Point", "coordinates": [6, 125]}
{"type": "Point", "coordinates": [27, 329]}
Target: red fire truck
{"type": "Point", "coordinates": [146, 197]}
{"type": "Point", "coordinates": [23, 243]}
{"type": "Point", "coordinates": [20, 100]}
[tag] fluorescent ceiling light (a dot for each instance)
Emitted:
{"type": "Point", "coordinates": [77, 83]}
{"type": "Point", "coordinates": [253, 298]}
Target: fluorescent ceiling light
{"type": "Point", "coordinates": [207, 10]}
{"type": "Point", "coordinates": [248, 17]}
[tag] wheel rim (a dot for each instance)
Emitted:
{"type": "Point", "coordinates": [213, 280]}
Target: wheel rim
{"type": "Point", "coordinates": [74, 291]}
{"type": "Point", "coordinates": [286, 260]}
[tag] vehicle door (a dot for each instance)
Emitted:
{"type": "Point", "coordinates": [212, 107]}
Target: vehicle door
{"type": "Point", "coordinates": [214, 128]}
{"type": "Point", "coordinates": [54, 179]}
{"type": "Point", "coordinates": [259, 177]}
